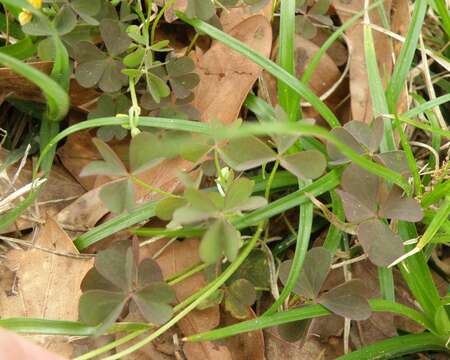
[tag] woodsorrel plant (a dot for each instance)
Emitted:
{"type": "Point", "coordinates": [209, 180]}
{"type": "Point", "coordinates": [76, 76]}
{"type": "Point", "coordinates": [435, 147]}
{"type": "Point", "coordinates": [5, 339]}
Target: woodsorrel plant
{"type": "Point", "coordinates": [381, 205]}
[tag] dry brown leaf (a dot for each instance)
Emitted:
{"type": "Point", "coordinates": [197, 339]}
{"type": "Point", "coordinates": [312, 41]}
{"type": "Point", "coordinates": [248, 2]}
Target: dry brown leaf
{"type": "Point", "coordinates": [234, 16]}
{"type": "Point", "coordinates": [179, 256]}
{"type": "Point", "coordinates": [276, 348]}
{"type": "Point", "coordinates": [249, 345]}
{"type": "Point", "coordinates": [39, 290]}
{"type": "Point", "coordinates": [15, 85]}
{"type": "Point", "coordinates": [226, 77]}
{"type": "Point", "coordinates": [85, 212]}
{"type": "Point", "coordinates": [18, 86]}
{"type": "Point", "coordinates": [76, 153]}
{"type": "Point", "coordinates": [337, 51]}
{"type": "Point", "coordinates": [359, 86]}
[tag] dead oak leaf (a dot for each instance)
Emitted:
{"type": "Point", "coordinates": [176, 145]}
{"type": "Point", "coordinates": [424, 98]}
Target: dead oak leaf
{"type": "Point", "coordinates": [226, 77]}
{"type": "Point", "coordinates": [48, 284]}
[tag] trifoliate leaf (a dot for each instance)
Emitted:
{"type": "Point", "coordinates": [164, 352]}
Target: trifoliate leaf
{"type": "Point", "coordinates": [304, 27]}
{"type": "Point", "coordinates": [348, 139]}
{"type": "Point", "coordinates": [380, 244]}
{"type": "Point", "coordinates": [86, 9]}
{"type": "Point", "coordinates": [153, 302]}
{"type": "Point", "coordinates": [149, 272]}
{"type": "Point", "coordinates": [238, 297]}
{"type": "Point", "coordinates": [101, 307]}
{"type": "Point", "coordinates": [145, 152]}
{"type": "Point", "coordinates": [221, 239]}
{"type": "Point", "coordinates": [208, 202]}
{"type": "Point", "coordinates": [246, 153]}
{"type": "Point", "coordinates": [400, 208]}
{"type": "Point", "coordinates": [166, 207]}
{"type": "Point", "coordinates": [294, 331]}
{"type": "Point", "coordinates": [213, 300]}
{"type": "Point", "coordinates": [93, 280]}
{"type": "Point", "coordinates": [238, 193]}
{"type": "Point", "coordinates": [118, 196]}
{"type": "Point", "coordinates": [308, 164]}
{"type": "Point", "coordinates": [111, 166]}
{"type": "Point", "coordinates": [395, 160]}
{"type": "Point", "coordinates": [65, 20]}
{"type": "Point", "coordinates": [313, 273]}
{"type": "Point", "coordinates": [204, 10]}
{"type": "Point", "coordinates": [255, 269]}
{"type": "Point", "coordinates": [115, 263]}
{"type": "Point", "coordinates": [348, 300]}
{"type": "Point", "coordinates": [115, 36]}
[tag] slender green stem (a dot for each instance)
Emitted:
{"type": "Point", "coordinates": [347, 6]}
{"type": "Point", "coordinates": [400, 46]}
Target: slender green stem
{"type": "Point", "coordinates": [166, 6]}
{"type": "Point", "coordinates": [271, 178]}
{"type": "Point", "coordinates": [175, 279]}
{"type": "Point", "coordinates": [111, 345]}
{"type": "Point", "coordinates": [154, 189]}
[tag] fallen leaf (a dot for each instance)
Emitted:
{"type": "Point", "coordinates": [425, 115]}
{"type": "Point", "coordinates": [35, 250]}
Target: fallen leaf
{"type": "Point", "coordinates": [313, 348]}
{"type": "Point", "coordinates": [40, 290]}
{"type": "Point", "coordinates": [234, 16]}
{"type": "Point", "coordinates": [361, 103]}
{"type": "Point", "coordinates": [76, 153]}
{"type": "Point", "coordinates": [17, 86]}
{"type": "Point", "coordinates": [180, 256]}
{"type": "Point", "coordinates": [226, 77]}
{"type": "Point", "coordinates": [249, 345]}
{"type": "Point", "coordinates": [85, 212]}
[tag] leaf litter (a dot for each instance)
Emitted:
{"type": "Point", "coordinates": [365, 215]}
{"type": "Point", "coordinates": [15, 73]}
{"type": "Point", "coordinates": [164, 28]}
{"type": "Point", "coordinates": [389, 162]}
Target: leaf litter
{"type": "Point", "coordinates": [109, 177]}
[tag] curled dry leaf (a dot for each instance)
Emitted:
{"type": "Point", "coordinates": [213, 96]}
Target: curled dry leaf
{"type": "Point", "coordinates": [226, 77]}
{"type": "Point", "coordinates": [361, 103]}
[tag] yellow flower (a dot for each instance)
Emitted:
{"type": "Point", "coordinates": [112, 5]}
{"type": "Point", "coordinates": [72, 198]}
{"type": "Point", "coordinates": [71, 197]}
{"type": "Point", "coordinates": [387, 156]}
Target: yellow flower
{"type": "Point", "coordinates": [37, 4]}
{"type": "Point", "coordinates": [25, 17]}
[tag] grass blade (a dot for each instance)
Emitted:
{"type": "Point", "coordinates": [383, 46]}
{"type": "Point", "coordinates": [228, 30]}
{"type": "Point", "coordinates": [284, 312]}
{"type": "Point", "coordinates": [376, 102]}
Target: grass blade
{"type": "Point", "coordinates": [301, 247]}
{"type": "Point", "coordinates": [62, 327]}
{"type": "Point", "coordinates": [396, 347]}
{"type": "Point", "coordinates": [417, 275]}
{"type": "Point", "coordinates": [289, 99]}
{"type": "Point", "coordinates": [57, 99]}
{"type": "Point", "coordinates": [379, 103]}
{"type": "Point", "coordinates": [403, 63]}
{"type": "Point", "coordinates": [303, 313]}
